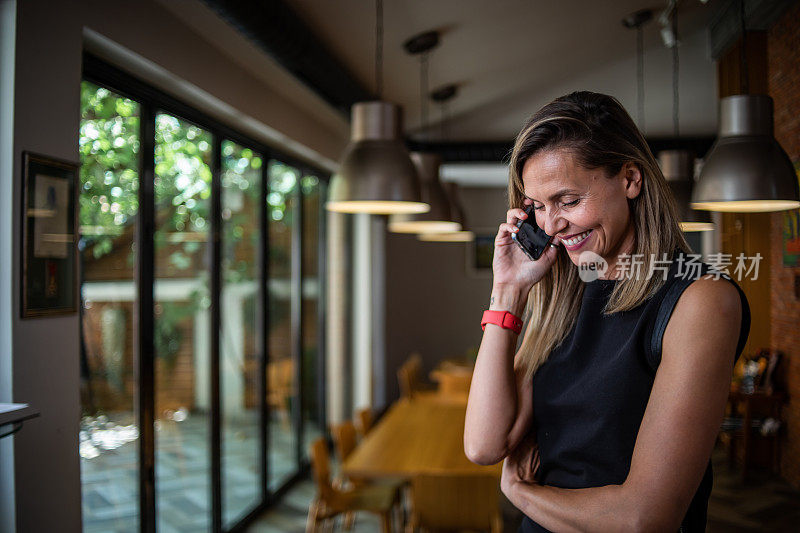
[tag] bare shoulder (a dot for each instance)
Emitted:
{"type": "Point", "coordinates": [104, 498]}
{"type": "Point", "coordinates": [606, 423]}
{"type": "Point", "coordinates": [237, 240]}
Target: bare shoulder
{"type": "Point", "coordinates": [709, 312]}
{"type": "Point", "coordinates": [710, 297]}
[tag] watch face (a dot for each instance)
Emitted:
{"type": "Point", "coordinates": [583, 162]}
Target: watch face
{"type": "Point", "coordinates": [530, 237]}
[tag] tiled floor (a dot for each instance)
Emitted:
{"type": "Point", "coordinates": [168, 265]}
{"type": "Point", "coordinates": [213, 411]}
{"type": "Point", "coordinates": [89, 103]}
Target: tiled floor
{"type": "Point", "coordinates": [109, 480]}
{"type": "Point", "coordinates": [766, 504]}
{"type": "Point", "coordinates": [110, 484]}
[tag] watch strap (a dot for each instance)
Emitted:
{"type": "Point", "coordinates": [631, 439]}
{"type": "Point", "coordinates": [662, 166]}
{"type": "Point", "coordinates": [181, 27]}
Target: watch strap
{"type": "Point", "coordinates": [504, 319]}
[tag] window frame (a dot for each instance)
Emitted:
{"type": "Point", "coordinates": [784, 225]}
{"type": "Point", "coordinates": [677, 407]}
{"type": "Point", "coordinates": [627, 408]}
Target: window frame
{"type": "Point", "coordinates": [152, 101]}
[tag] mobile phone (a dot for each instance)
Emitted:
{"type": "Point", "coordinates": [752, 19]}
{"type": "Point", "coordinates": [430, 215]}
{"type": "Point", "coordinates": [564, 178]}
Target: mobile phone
{"type": "Point", "coordinates": [530, 237]}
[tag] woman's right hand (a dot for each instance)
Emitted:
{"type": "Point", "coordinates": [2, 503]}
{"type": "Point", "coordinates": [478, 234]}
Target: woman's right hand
{"type": "Point", "coordinates": [510, 266]}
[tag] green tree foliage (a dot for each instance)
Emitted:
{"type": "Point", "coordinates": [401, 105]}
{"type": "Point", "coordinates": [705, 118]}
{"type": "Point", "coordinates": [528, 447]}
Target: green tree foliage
{"type": "Point", "coordinates": [109, 146]}
{"type": "Point", "coordinates": [109, 150]}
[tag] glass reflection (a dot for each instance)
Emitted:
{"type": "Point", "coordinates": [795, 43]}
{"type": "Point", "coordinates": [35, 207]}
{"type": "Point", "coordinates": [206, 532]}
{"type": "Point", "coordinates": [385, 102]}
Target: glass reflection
{"type": "Point", "coordinates": [108, 206]}
{"type": "Point", "coordinates": [240, 316]}
{"type": "Point", "coordinates": [281, 188]}
{"type": "Point", "coordinates": [182, 324]}
{"type": "Point", "coordinates": [312, 421]}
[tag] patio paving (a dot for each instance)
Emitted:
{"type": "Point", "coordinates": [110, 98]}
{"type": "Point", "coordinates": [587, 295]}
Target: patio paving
{"type": "Point", "coordinates": [110, 479]}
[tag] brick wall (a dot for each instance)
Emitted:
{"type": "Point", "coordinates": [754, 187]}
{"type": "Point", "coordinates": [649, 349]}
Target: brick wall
{"type": "Point", "coordinates": [784, 86]}
{"type": "Point", "coordinates": [99, 394]}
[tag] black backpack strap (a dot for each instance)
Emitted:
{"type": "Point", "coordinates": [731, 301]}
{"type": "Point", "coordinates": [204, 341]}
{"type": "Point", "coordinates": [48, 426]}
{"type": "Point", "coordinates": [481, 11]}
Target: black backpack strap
{"type": "Point", "coordinates": [673, 293]}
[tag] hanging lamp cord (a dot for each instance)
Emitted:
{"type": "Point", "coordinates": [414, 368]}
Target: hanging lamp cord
{"type": "Point", "coordinates": [675, 74]}
{"type": "Point", "coordinates": [379, 48]}
{"type": "Point", "coordinates": [423, 91]}
{"type": "Point", "coordinates": [744, 77]}
{"type": "Point", "coordinates": [445, 117]}
{"type": "Point", "coordinates": [640, 75]}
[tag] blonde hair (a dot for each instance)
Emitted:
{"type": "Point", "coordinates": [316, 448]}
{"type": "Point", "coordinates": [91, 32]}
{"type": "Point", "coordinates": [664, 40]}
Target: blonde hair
{"type": "Point", "coordinates": [597, 131]}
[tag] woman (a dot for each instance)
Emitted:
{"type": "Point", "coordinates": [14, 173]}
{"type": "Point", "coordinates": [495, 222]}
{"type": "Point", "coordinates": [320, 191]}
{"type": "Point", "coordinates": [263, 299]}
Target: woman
{"type": "Point", "coordinates": [607, 415]}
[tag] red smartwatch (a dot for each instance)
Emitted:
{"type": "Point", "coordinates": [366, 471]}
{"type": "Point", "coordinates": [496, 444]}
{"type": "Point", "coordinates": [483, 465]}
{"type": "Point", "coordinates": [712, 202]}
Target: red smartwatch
{"type": "Point", "coordinates": [504, 319]}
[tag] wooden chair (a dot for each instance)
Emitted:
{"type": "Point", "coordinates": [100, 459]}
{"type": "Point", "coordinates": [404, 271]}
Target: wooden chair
{"type": "Point", "coordinates": [330, 502]}
{"type": "Point", "coordinates": [757, 405]}
{"type": "Point", "coordinates": [405, 381]}
{"type": "Point", "coordinates": [448, 502]}
{"type": "Point", "coordinates": [280, 378]}
{"type": "Point", "coordinates": [344, 439]}
{"type": "Point", "coordinates": [344, 442]}
{"type": "Point", "coordinates": [364, 421]}
{"type": "Point", "coordinates": [409, 379]}
{"type": "Point", "coordinates": [453, 382]}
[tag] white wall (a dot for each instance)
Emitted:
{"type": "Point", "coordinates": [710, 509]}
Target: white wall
{"type": "Point", "coordinates": [156, 45]}
{"type": "Point", "coordinates": [8, 11]}
{"type": "Point", "coordinates": [433, 305]}
{"type": "Point", "coordinates": [45, 350]}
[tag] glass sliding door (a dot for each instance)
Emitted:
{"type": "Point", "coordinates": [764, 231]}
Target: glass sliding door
{"type": "Point", "coordinates": [240, 316]}
{"type": "Point", "coordinates": [182, 324]}
{"type": "Point", "coordinates": [282, 184]}
{"type": "Point", "coordinates": [166, 390]}
{"type": "Point", "coordinates": [108, 206]}
{"type": "Point", "coordinates": [312, 388]}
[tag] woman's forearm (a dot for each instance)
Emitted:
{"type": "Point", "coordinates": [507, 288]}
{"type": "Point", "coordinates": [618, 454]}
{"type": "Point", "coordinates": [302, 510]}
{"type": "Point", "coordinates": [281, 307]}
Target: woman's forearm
{"type": "Point", "coordinates": [492, 407]}
{"type": "Point", "coordinates": [601, 509]}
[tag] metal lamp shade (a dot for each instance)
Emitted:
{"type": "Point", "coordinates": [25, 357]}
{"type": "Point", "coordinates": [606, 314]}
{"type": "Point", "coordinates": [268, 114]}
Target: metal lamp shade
{"type": "Point", "coordinates": [457, 212]}
{"type": "Point", "coordinates": [376, 174]}
{"type": "Point", "coordinates": [439, 218]}
{"type": "Point", "coordinates": [678, 169]}
{"type": "Point", "coordinates": [746, 170]}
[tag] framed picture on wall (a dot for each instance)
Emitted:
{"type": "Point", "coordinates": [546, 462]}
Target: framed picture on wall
{"type": "Point", "coordinates": [49, 268]}
{"type": "Point", "coordinates": [480, 252]}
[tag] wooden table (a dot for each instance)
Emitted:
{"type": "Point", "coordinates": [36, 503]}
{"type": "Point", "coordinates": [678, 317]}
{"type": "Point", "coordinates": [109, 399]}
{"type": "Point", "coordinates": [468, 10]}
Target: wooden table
{"type": "Point", "coordinates": [418, 436]}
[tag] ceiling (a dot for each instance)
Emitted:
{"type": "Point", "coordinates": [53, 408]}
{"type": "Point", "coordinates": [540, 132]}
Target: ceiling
{"type": "Point", "coordinates": [510, 57]}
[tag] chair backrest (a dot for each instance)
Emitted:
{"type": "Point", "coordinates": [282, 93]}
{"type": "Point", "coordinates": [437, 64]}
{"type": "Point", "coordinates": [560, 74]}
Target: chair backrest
{"type": "Point", "coordinates": [456, 502]}
{"type": "Point", "coordinates": [364, 421]}
{"type": "Point", "coordinates": [454, 382]}
{"type": "Point", "coordinates": [405, 381]}
{"type": "Point", "coordinates": [321, 467]}
{"type": "Point", "coordinates": [408, 375]}
{"type": "Point", "coordinates": [344, 439]}
{"type": "Point", "coordinates": [280, 374]}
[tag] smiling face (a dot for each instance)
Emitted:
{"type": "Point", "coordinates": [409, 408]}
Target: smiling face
{"type": "Point", "coordinates": [583, 208]}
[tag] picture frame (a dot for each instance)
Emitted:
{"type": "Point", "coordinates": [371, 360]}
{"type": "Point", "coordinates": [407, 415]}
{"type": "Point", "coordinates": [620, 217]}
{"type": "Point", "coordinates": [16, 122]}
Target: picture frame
{"type": "Point", "coordinates": [49, 259]}
{"type": "Point", "coordinates": [791, 232]}
{"type": "Point", "coordinates": [480, 253]}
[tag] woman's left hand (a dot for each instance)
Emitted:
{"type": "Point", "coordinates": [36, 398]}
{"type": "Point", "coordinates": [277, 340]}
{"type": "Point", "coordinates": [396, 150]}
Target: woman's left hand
{"type": "Point", "coordinates": [520, 465]}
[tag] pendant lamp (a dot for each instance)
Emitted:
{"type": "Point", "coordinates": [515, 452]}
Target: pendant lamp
{"type": "Point", "coordinates": [439, 218]}
{"type": "Point", "coordinates": [376, 174]}
{"type": "Point", "coordinates": [457, 214]}
{"type": "Point", "coordinates": [746, 169]}
{"type": "Point", "coordinates": [678, 169]}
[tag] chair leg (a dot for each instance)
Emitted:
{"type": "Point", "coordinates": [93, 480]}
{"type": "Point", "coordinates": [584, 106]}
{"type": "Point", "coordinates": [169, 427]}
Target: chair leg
{"type": "Point", "coordinates": [386, 522]}
{"type": "Point", "coordinates": [404, 507]}
{"type": "Point", "coordinates": [349, 520]}
{"type": "Point", "coordinates": [497, 523]}
{"type": "Point", "coordinates": [397, 516]}
{"type": "Point", "coordinates": [410, 525]}
{"type": "Point", "coordinates": [311, 520]}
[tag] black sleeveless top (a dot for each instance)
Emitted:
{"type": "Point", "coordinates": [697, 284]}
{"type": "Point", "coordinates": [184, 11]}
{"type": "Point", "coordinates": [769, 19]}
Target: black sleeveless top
{"type": "Point", "coordinates": [590, 396]}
